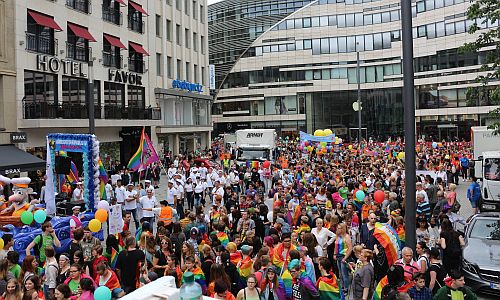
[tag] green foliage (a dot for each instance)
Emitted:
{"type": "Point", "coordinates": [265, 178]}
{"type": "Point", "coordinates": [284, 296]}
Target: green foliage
{"type": "Point", "coordinates": [482, 12]}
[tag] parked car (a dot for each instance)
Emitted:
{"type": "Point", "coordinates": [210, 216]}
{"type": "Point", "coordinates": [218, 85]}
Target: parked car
{"type": "Point", "coordinates": [206, 161]}
{"type": "Point", "coordinates": [481, 255]}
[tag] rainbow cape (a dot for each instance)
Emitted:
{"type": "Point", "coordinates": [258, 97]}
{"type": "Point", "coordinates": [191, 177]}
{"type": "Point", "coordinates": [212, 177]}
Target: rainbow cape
{"type": "Point", "coordinates": [278, 260]}
{"type": "Point", "coordinates": [215, 217]}
{"type": "Point", "coordinates": [145, 154]}
{"type": "Point", "coordinates": [245, 267]}
{"type": "Point", "coordinates": [377, 295]}
{"type": "Point", "coordinates": [388, 238]}
{"type": "Point", "coordinates": [253, 164]}
{"type": "Point", "coordinates": [103, 180]}
{"type": "Point", "coordinates": [303, 228]}
{"type": "Point", "coordinates": [199, 277]}
{"type": "Point", "coordinates": [235, 257]}
{"type": "Point", "coordinates": [287, 282]}
{"type": "Point", "coordinates": [401, 234]}
{"type": "Point", "coordinates": [296, 215]}
{"type": "Point", "coordinates": [114, 258]}
{"type": "Point", "coordinates": [223, 238]}
{"type": "Point", "coordinates": [328, 288]}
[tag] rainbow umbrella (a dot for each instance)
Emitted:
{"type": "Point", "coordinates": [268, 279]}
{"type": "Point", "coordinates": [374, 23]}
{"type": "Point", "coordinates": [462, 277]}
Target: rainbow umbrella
{"type": "Point", "coordinates": [388, 238]}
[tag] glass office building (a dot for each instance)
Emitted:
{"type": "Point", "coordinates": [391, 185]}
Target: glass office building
{"type": "Point", "coordinates": [301, 74]}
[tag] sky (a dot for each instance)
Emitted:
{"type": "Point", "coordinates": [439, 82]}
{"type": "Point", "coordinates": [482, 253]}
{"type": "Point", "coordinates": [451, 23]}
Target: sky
{"type": "Point", "coordinates": [212, 1]}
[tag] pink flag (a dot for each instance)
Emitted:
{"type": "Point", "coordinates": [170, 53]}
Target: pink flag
{"type": "Point", "coordinates": [149, 155]}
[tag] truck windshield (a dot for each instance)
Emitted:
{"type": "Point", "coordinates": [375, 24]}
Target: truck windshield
{"type": "Point", "coordinates": [244, 154]}
{"type": "Point", "coordinates": [492, 169]}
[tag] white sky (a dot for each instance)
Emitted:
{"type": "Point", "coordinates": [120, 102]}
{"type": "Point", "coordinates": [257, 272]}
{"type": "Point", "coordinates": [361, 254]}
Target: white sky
{"type": "Point", "coordinates": [212, 1]}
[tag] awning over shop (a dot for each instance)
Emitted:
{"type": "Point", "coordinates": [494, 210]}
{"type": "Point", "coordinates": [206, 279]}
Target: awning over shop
{"type": "Point", "coordinates": [82, 32]}
{"type": "Point", "coordinates": [114, 41]}
{"type": "Point", "coordinates": [138, 48]}
{"type": "Point", "coordinates": [14, 160]}
{"type": "Point", "coordinates": [138, 8]}
{"type": "Point", "coordinates": [44, 20]}
{"type": "Point", "coordinates": [121, 2]}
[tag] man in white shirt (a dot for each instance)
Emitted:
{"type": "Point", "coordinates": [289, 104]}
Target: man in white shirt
{"type": "Point", "coordinates": [171, 171]}
{"type": "Point", "coordinates": [203, 172]}
{"type": "Point", "coordinates": [109, 191]}
{"type": "Point", "coordinates": [199, 189]}
{"type": "Point", "coordinates": [130, 205]}
{"type": "Point", "coordinates": [217, 190]}
{"type": "Point", "coordinates": [78, 192]}
{"type": "Point", "coordinates": [171, 194]}
{"type": "Point", "coordinates": [120, 192]}
{"type": "Point", "coordinates": [148, 202]}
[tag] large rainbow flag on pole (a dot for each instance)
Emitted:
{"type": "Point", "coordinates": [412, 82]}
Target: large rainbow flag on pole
{"type": "Point", "coordinates": [144, 156]}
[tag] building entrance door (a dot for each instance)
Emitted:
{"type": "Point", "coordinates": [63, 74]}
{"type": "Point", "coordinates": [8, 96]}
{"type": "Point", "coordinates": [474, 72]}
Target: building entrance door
{"type": "Point", "coordinates": [447, 132]}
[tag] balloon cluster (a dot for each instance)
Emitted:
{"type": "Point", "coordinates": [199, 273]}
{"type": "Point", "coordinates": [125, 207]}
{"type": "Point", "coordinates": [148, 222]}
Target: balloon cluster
{"type": "Point", "coordinates": [101, 216]}
{"type": "Point", "coordinates": [321, 147]}
{"type": "Point", "coordinates": [39, 216]}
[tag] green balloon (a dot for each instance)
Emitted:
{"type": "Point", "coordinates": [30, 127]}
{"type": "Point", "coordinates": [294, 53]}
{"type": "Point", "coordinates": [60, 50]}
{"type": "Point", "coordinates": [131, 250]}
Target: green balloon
{"type": "Point", "coordinates": [27, 217]}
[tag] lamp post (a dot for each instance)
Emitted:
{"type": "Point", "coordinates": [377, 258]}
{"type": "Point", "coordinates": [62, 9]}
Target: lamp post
{"type": "Point", "coordinates": [90, 97]}
{"type": "Point", "coordinates": [409, 123]}
{"type": "Point", "coordinates": [358, 79]}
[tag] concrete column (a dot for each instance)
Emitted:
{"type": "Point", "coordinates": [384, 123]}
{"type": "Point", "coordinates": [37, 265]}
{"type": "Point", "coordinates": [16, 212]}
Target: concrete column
{"type": "Point", "coordinates": [176, 144]}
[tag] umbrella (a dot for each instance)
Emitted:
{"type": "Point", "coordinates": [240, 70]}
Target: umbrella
{"type": "Point", "coordinates": [388, 238]}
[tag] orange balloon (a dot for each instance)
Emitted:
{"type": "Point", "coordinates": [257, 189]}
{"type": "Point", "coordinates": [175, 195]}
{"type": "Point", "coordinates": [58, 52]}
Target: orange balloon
{"type": "Point", "coordinates": [101, 215]}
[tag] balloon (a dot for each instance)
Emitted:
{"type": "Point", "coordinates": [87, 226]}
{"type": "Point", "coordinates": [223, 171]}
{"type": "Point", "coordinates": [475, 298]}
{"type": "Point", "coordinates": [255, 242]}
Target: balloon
{"type": "Point", "coordinates": [306, 143]}
{"type": "Point", "coordinates": [318, 132]}
{"type": "Point", "coordinates": [324, 150]}
{"type": "Point", "coordinates": [401, 155]}
{"type": "Point", "coordinates": [309, 148]}
{"type": "Point", "coordinates": [350, 147]}
{"type": "Point", "coordinates": [2, 243]}
{"type": "Point", "coordinates": [360, 195]}
{"type": "Point", "coordinates": [379, 196]}
{"type": "Point", "coordinates": [266, 164]}
{"type": "Point", "coordinates": [434, 145]}
{"type": "Point", "coordinates": [27, 217]}
{"type": "Point", "coordinates": [94, 225]}
{"type": "Point", "coordinates": [327, 132]}
{"type": "Point", "coordinates": [40, 216]}
{"type": "Point", "coordinates": [102, 293]}
{"type": "Point", "coordinates": [103, 204]}
{"type": "Point", "coordinates": [301, 148]}
{"type": "Point", "coordinates": [323, 144]}
{"type": "Point", "coordinates": [101, 215]}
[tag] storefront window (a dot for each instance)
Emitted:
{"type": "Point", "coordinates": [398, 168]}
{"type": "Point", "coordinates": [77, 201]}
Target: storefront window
{"type": "Point", "coordinates": [73, 90]}
{"type": "Point", "coordinates": [40, 87]}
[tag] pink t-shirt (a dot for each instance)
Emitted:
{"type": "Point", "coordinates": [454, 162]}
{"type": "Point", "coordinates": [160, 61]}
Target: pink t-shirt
{"type": "Point", "coordinates": [87, 295]}
{"type": "Point", "coordinates": [451, 197]}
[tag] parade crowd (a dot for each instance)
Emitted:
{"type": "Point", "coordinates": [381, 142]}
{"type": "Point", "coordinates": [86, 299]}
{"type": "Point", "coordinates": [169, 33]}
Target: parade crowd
{"type": "Point", "coordinates": [301, 228]}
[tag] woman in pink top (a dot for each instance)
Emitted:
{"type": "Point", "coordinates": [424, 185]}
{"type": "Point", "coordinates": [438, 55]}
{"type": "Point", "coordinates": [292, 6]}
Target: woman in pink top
{"type": "Point", "coordinates": [87, 287]}
{"type": "Point", "coordinates": [451, 195]}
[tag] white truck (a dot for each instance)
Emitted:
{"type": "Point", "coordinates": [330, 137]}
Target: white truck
{"type": "Point", "coordinates": [255, 145]}
{"type": "Point", "coordinates": [486, 150]}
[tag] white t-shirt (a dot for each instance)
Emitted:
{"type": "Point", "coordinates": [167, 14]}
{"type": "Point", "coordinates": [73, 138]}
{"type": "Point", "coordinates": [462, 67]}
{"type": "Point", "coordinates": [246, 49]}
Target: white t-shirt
{"type": "Point", "coordinates": [199, 187]}
{"type": "Point", "coordinates": [218, 191]}
{"type": "Point", "coordinates": [147, 202]}
{"type": "Point", "coordinates": [203, 172]}
{"type": "Point", "coordinates": [188, 187]}
{"type": "Point", "coordinates": [120, 194]}
{"type": "Point", "coordinates": [78, 194]}
{"type": "Point", "coordinates": [170, 195]}
{"type": "Point", "coordinates": [109, 191]}
{"type": "Point", "coordinates": [130, 204]}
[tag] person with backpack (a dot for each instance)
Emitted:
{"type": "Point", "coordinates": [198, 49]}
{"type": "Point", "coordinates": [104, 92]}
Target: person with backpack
{"type": "Point", "coordinates": [474, 194]}
{"type": "Point", "coordinates": [47, 238]}
{"type": "Point", "coordinates": [51, 273]}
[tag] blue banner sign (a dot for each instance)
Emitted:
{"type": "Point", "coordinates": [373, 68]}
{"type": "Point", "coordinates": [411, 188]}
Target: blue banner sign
{"type": "Point", "coordinates": [311, 138]}
{"type": "Point", "coordinates": [187, 86]}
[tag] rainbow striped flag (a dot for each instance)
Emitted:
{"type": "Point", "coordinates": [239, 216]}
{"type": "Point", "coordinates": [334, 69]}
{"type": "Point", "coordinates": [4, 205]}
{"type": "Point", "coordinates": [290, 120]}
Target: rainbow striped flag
{"type": "Point", "coordinates": [287, 282]}
{"type": "Point", "coordinates": [303, 228]}
{"type": "Point", "coordinates": [73, 173]}
{"type": "Point", "coordinates": [388, 238]}
{"type": "Point", "coordinates": [235, 257]}
{"type": "Point", "coordinates": [103, 180]}
{"type": "Point", "coordinates": [401, 235]}
{"type": "Point", "coordinates": [114, 258]}
{"type": "Point", "coordinates": [145, 154]}
{"type": "Point", "coordinates": [199, 277]}
{"type": "Point", "coordinates": [377, 295]}
{"type": "Point", "coordinates": [245, 267]}
{"type": "Point", "coordinates": [223, 238]}
{"type": "Point", "coordinates": [328, 288]}
{"type": "Point", "coordinates": [215, 217]}
{"type": "Point", "coordinates": [253, 164]}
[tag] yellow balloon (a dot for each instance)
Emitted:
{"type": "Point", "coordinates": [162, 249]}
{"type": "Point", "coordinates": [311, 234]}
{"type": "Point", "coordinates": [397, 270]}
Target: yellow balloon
{"type": "Point", "coordinates": [2, 244]}
{"type": "Point", "coordinates": [318, 132]}
{"type": "Point", "coordinates": [328, 131]}
{"type": "Point", "coordinates": [350, 147]}
{"type": "Point", "coordinates": [94, 225]}
{"type": "Point", "coordinates": [401, 155]}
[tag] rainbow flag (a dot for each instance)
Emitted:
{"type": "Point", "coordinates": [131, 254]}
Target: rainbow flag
{"type": "Point", "coordinates": [145, 154]}
{"type": "Point", "coordinates": [223, 238]}
{"type": "Point", "coordinates": [235, 257]}
{"type": "Point", "coordinates": [215, 217]}
{"type": "Point", "coordinates": [278, 260]}
{"type": "Point", "coordinates": [253, 164]}
{"type": "Point", "coordinates": [245, 267]}
{"type": "Point", "coordinates": [388, 238]}
{"type": "Point", "coordinates": [73, 173]}
{"type": "Point", "coordinates": [303, 228]}
{"type": "Point", "coordinates": [199, 277]}
{"type": "Point", "coordinates": [287, 282]}
{"type": "Point", "coordinates": [328, 288]}
{"type": "Point", "coordinates": [377, 295]}
{"type": "Point", "coordinates": [103, 179]}
{"type": "Point", "coordinates": [401, 234]}
{"type": "Point", "coordinates": [114, 258]}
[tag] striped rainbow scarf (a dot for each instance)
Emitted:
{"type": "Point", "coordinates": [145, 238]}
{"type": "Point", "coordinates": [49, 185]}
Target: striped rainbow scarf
{"type": "Point", "coordinates": [328, 288]}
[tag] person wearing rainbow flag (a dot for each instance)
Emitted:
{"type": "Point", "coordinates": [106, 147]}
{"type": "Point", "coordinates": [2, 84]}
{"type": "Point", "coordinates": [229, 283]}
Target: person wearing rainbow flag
{"type": "Point", "coordinates": [327, 284]}
{"type": "Point", "coordinates": [199, 276]}
{"type": "Point", "coordinates": [302, 287]}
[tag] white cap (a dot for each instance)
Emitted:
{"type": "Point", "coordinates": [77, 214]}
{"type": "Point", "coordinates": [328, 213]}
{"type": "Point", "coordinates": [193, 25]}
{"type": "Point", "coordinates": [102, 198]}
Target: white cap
{"type": "Point", "coordinates": [130, 184]}
{"type": "Point", "coordinates": [147, 181]}
{"type": "Point", "coordinates": [76, 207]}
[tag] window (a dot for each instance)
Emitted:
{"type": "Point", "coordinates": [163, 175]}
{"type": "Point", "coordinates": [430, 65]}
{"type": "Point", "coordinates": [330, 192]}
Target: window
{"type": "Point", "coordinates": [333, 45]}
{"type": "Point", "coordinates": [114, 94]}
{"type": "Point", "coordinates": [40, 39]}
{"type": "Point", "coordinates": [450, 29]}
{"type": "Point", "coordinates": [420, 6]}
{"type": "Point", "coordinates": [135, 22]}
{"type": "Point", "coordinates": [307, 22]}
{"type": "Point", "coordinates": [377, 18]}
{"type": "Point", "coordinates": [178, 4]}
{"type": "Point", "coordinates": [77, 48]}
{"type": "Point", "coordinates": [73, 90]}
{"type": "Point", "coordinates": [394, 15]}
{"type": "Point", "coordinates": [460, 27]}
{"type": "Point", "coordinates": [421, 31]}
{"type": "Point", "coordinates": [158, 65]}
{"type": "Point", "coordinates": [195, 41]}
{"type": "Point", "coordinates": [307, 44]}
{"type": "Point", "coordinates": [178, 35]}
{"type": "Point", "coordinates": [195, 10]}
{"type": "Point", "coordinates": [158, 25]}
{"type": "Point", "coordinates": [298, 23]}
{"type": "Point", "coordinates": [438, 3]}
{"type": "Point", "coordinates": [299, 45]}
{"type": "Point", "coordinates": [186, 7]}
{"type": "Point", "coordinates": [360, 43]}
{"type": "Point", "coordinates": [323, 21]}
{"type": "Point", "coordinates": [188, 71]}
{"type": "Point", "coordinates": [111, 12]}
{"type": "Point", "coordinates": [169, 67]}
{"type": "Point", "coordinates": [179, 69]}
{"type": "Point", "coordinates": [349, 20]}
{"type": "Point", "coordinates": [341, 21]}
{"type": "Point", "coordinates": [40, 88]}
{"type": "Point", "coordinates": [386, 17]}
{"type": "Point", "coordinates": [202, 14]}
{"type": "Point", "coordinates": [429, 4]}
{"type": "Point", "coordinates": [351, 44]}
{"type": "Point", "coordinates": [332, 20]}
{"type": "Point", "coordinates": [342, 42]}
{"type": "Point", "coordinates": [290, 24]}
{"type": "Point", "coordinates": [377, 41]}
{"type": "Point", "coordinates": [316, 46]}
{"type": "Point", "coordinates": [368, 42]}
{"type": "Point", "coordinates": [169, 30]}
{"type": "Point", "coordinates": [315, 22]}
{"type": "Point", "coordinates": [80, 5]}
{"type": "Point", "coordinates": [195, 72]}
{"type": "Point", "coordinates": [368, 19]}
{"type": "Point", "coordinates": [431, 31]}
{"type": "Point", "coordinates": [440, 29]}
{"type": "Point", "coordinates": [203, 75]}
{"type": "Point", "coordinates": [187, 38]}
{"type": "Point", "coordinates": [202, 44]}
{"type": "Point", "coordinates": [136, 97]}
{"type": "Point", "coordinates": [386, 40]}
{"type": "Point", "coordinates": [358, 19]}
{"type": "Point", "coordinates": [325, 46]}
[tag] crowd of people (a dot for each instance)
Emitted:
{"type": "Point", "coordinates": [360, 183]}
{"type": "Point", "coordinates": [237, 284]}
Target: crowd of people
{"type": "Point", "coordinates": [295, 230]}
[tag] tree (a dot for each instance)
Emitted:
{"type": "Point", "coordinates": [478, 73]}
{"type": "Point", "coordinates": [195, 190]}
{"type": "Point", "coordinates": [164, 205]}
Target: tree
{"type": "Point", "coordinates": [482, 13]}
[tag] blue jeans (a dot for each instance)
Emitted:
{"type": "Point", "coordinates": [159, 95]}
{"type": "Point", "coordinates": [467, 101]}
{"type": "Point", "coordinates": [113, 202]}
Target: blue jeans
{"type": "Point", "coordinates": [197, 199]}
{"type": "Point", "coordinates": [343, 272]}
{"type": "Point", "coordinates": [133, 212]}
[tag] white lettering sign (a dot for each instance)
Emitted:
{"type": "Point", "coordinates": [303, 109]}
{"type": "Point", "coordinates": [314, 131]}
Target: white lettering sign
{"type": "Point", "coordinates": [115, 219]}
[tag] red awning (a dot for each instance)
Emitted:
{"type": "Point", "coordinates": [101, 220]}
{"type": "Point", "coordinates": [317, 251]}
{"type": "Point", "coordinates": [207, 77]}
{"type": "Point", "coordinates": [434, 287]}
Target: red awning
{"type": "Point", "coordinates": [44, 20]}
{"type": "Point", "coordinates": [138, 8]}
{"type": "Point", "coordinates": [121, 1]}
{"type": "Point", "coordinates": [82, 32]}
{"type": "Point", "coordinates": [114, 41]}
{"type": "Point", "coordinates": [138, 48]}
